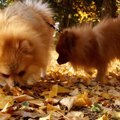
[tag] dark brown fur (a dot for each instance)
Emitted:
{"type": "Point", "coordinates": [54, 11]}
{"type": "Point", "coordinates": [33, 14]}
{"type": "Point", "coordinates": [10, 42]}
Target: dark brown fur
{"type": "Point", "coordinates": [90, 47]}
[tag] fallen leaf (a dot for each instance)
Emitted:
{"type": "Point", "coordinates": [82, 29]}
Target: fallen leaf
{"type": "Point", "coordinates": [114, 93]}
{"type": "Point", "coordinates": [53, 108]}
{"type": "Point", "coordinates": [106, 95]}
{"type": "Point", "coordinates": [49, 117]}
{"type": "Point", "coordinates": [54, 91]}
{"type": "Point", "coordinates": [82, 100]}
{"type": "Point", "coordinates": [25, 114]}
{"type": "Point", "coordinates": [75, 115]}
{"type": "Point", "coordinates": [68, 102]}
{"type": "Point", "coordinates": [57, 89]}
{"type": "Point", "coordinates": [75, 92]}
{"type": "Point", "coordinates": [5, 116]}
{"type": "Point", "coordinates": [5, 100]}
{"type": "Point", "coordinates": [115, 114]}
{"type": "Point", "coordinates": [22, 98]}
{"type": "Point", "coordinates": [104, 117]}
{"type": "Point", "coordinates": [38, 102]}
{"type": "Point", "coordinates": [117, 102]}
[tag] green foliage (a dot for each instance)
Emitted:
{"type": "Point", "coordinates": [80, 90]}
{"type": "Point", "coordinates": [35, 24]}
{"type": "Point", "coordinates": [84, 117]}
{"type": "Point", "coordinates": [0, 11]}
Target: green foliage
{"type": "Point", "coordinates": [5, 3]}
{"type": "Point", "coordinates": [73, 12]}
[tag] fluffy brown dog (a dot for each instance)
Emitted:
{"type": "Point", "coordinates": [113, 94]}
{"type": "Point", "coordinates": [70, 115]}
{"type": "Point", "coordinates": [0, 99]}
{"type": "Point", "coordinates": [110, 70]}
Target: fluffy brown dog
{"type": "Point", "coordinates": [25, 40]}
{"type": "Point", "coordinates": [90, 47]}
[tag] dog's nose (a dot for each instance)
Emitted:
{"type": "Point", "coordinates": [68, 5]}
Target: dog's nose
{"type": "Point", "coordinates": [59, 62]}
{"type": "Point", "coordinates": [62, 60]}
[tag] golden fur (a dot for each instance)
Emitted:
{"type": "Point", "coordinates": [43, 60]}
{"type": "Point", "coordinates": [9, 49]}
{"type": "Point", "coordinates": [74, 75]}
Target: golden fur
{"type": "Point", "coordinates": [25, 40]}
{"type": "Point", "coordinates": [90, 47]}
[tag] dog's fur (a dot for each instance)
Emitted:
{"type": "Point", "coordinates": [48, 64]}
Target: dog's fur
{"type": "Point", "coordinates": [90, 47]}
{"type": "Point", "coordinates": [25, 40]}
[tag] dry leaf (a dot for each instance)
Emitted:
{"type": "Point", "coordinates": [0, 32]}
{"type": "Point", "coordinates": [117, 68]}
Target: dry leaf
{"type": "Point", "coordinates": [75, 92]}
{"type": "Point", "coordinates": [53, 108]}
{"type": "Point", "coordinates": [114, 93]}
{"type": "Point", "coordinates": [104, 117]}
{"type": "Point", "coordinates": [106, 95]}
{"type": "Point", "coordinates": [49, 117]}
{"type": "Point", "coordinates": [68, 102]}
{"type": "Point", "coordinates": [82, 100]}
{"type": "Point", "coordinates": [4, 116]}
{"type": "Point", "coordinates": [57, 89]}
{"type": "Point", "coordinates": [25, 114]}
{"type": "Point", "coordinates": [22, 98]}
{"type": "Point", "coordinates": [6, 100]}
{"type": "Point", "coordinates": [75, 115]}
{"type": "Point", "coordinates": [115, 114]}
{"type": "Point", "coordinates": [38, 102]}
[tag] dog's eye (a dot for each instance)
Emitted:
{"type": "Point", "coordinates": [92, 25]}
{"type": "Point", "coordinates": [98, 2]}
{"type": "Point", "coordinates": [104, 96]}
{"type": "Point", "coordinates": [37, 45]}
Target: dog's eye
{"type": "Point", "coordinates": [21, 73]}
{"type": "Point", "coordinates": [5, 75]}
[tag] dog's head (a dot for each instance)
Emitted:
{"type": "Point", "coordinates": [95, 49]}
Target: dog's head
{"type": "Point", "coordinates": [17, 54]}
{"type": "Point", "coordinates": [65, 45]}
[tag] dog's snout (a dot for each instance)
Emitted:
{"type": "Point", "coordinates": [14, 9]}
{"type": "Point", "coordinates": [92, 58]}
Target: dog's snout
{"type": "Point", "coordinates": [62, 60]}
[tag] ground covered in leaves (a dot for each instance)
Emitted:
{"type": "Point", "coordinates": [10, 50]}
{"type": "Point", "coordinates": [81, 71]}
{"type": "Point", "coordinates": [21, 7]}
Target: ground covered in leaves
{"type": "Point", "coordinates": [64, 95]}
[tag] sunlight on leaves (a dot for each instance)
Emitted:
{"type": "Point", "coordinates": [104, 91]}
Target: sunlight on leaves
{"type": "Point", "coordinates": [6, 100]}
{"type": "Point", "coordinates": [57, 89]}
{"type": "Point", "coordinates": [82, 100]}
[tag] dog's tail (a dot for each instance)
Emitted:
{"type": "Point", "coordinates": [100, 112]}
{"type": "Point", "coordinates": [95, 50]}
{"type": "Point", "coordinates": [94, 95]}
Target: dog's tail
{"type": "Point", "coordinates": [40, 6]}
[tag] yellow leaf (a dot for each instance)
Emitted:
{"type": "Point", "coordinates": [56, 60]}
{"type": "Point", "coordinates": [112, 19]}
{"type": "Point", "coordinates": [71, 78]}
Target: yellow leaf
{"type": "Point", "coordinates": [106, 96]}
{"type": "Point", "coordinates": [63, 89]}
{"type": "Point", "coordinates": [104, 117]}
{"type": "Point", "coordinates": [53, 91]}
{"type": "Point", "coordinates": [49, 117]}
{"type": "Point", "coordinates": [6, 100]}
{"type": "Point", "coordinates": [57, 89]}
{"type": "Point", "coordinates": [82, 100]}
{"type": "Point", "coordinates": [52, 108]}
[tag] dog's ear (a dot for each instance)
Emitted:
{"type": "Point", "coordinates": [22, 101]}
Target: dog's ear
{"type": "Point", "coordinates": [26, 47]}
{"type": "Point", "coordinates": [69, 40]}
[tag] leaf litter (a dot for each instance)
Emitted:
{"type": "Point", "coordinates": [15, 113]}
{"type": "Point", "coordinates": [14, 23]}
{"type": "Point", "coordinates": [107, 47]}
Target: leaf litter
{"type": "Point", "coordinates": [64, 95]}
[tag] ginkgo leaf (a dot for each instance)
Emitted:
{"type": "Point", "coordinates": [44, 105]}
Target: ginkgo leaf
{"type": "Point", "coordinates": [54, 91]}
{"type": "Point", "coordinates": [82, 100]}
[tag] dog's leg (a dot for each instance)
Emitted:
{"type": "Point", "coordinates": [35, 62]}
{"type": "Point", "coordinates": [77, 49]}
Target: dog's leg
{"type": "Point", "coordinates": [101, 71]}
